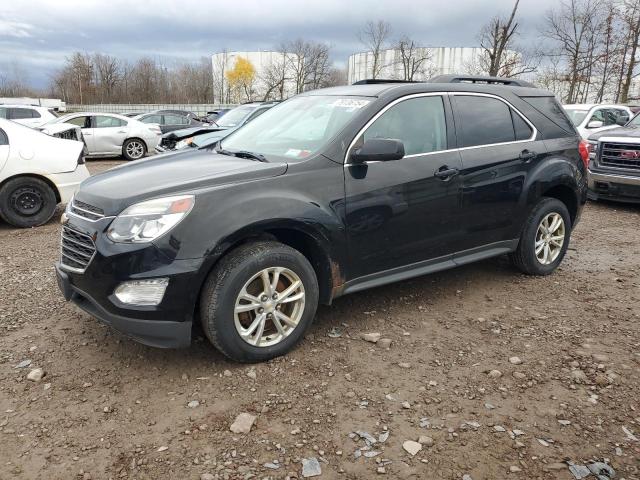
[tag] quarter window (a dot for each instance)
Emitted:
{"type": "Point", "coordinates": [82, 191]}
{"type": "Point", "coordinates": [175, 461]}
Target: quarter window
{"type": "Point", "coordinates": [419, 123]}
{"type": "Point", "coordinates": [521, 128]}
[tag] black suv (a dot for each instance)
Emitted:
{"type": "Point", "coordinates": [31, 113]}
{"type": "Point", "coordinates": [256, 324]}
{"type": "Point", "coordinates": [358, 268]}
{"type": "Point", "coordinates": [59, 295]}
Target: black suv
{"type": "Point", "coordinates": [330, 192]}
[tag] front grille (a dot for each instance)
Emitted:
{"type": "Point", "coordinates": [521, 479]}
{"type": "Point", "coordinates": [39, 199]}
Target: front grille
{"type": "Point", "coordinates": [77, 249]}
{"type": "Point", "coordinates": [86, 211]}
{"type": "Point", "coordinates": [620, 155]}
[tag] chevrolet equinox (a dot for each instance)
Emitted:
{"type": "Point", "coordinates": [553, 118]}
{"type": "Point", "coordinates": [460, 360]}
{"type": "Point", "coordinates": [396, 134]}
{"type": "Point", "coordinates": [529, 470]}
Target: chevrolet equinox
{"type": "Point", "coordinates": [330, 192]}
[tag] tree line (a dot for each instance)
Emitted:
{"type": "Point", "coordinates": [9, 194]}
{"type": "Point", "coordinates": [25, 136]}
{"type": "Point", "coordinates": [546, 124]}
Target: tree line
{"type": "Point", "coordinates": [585, 50]}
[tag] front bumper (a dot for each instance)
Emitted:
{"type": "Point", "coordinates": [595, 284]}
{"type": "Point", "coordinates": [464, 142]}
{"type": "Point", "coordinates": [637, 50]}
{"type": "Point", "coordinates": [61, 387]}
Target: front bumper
{"type": "Point", "coordinates": [167, 324]}
{"type": "Point", "coordinates": [68, 183]}
{"type": "Point", "coordinates": [608, 186]}
{"type": "Point", "coordinates": [155, 333]}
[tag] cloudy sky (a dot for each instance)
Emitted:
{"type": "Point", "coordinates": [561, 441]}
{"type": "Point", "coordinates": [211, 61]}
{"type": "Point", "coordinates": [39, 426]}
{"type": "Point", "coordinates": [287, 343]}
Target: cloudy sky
{"type": "Point", "coordinates": [38, 34]}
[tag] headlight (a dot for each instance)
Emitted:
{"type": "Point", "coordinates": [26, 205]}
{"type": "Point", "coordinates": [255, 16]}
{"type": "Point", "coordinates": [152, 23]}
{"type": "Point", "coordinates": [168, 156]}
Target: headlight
{"type": "Point", "coordinates": [592, 148]}
{"type": "Point", "coordinates": [146, 221]}
{"type": "Point", "coordinates": [184, 143]}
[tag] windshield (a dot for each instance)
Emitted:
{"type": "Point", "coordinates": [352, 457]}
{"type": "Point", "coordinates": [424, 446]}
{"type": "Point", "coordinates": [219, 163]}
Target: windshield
{"type": "Point", "coordinates": [296, 128]}
{"type": "Point", "coordinates": [235, 116]}
{"type": "Point", "coordinates": [576, 115]}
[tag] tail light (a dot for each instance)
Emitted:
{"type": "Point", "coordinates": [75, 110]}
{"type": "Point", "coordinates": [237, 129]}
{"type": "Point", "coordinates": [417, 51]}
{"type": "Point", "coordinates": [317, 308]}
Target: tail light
{"type": "Point", "coordinates": [584, 148]}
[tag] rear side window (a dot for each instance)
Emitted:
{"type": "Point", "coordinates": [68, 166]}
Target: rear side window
{"type": "Point", "coordinates": [483, 121]}
{"type": "Point", "coordinates": [418, 122]}
{"type": "Point", "coordinates": [22, 113]}
{"type": "Point", "coordinates": [152, 119]}
{"type": "Point", "coordinates": [4, 140]}
{"type": "Point", "coordinates": [175, 120]}
{"type": "Point", "coordinates": [106, 122]}
{"type": "Point", "coordinates": [551, 109]}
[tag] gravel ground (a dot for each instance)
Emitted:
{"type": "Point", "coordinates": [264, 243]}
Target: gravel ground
{"type": "Point", "coordinates": [448, 383]}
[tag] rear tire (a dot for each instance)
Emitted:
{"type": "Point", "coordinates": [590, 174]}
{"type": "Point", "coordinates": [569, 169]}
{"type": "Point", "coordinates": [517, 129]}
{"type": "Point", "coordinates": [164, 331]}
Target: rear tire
{"type": "Point", "coordinates": [27, 202]}
{"type": "Point", "coordinates": [253, 319]}
{"type": "Point", "coordinates": [134, 149]}
{"type": "Point", "coordinates": [544, 239]}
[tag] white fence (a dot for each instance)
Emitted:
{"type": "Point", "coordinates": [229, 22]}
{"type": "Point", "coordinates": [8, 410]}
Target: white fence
{"type": "Point", "coordinates": [197, 108]}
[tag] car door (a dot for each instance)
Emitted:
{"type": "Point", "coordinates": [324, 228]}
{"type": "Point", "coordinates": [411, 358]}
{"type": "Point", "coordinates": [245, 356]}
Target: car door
{"type": "Point", "coordinates": [84, 122]}
{"type": "Point", "coordinates": [109, 133]}
{"type": "Point", "coordinates": [405, 211]}
{"type": "Point", "coordinates": [498, 148]}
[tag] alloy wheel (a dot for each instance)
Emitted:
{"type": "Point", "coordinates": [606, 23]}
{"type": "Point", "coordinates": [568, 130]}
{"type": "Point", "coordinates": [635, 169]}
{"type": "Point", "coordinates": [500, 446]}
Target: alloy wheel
{"type": "Point", "coordinates": [135, 149]}
{"type": "Point", "coordinates": [550, 238]}
{"type": "Point", "coordinates": [269, 306]}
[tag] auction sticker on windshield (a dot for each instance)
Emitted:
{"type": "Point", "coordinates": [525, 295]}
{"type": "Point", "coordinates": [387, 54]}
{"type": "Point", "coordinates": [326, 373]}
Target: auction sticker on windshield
{"type": "Point", "coordinates": [350, 104]}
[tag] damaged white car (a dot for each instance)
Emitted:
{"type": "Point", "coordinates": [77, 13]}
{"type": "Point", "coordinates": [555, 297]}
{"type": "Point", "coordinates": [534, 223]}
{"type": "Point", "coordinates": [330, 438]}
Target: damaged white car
{"type": "Point", "coordinates": [37, 172]}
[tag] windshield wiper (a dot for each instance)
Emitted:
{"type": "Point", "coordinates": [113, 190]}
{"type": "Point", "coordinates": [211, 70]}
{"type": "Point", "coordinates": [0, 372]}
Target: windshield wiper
{"type": "Point", "coordinates": [250, 155]}
{"type": "Point", "coordinates": [240, 153]}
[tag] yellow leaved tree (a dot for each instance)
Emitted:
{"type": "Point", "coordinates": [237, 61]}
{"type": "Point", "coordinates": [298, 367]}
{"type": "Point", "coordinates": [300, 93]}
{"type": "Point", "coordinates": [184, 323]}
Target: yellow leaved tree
{"type": "Point", "coordinates": [240, 79]}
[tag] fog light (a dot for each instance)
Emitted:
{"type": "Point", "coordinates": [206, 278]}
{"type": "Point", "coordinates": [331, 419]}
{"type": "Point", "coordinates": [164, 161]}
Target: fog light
{"type": "Point", "coordinates": [142, 292]}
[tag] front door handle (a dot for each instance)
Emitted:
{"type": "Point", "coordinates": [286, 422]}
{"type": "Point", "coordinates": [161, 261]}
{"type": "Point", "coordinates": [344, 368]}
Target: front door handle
{"type": "Point", "coordinates": [527, 155]}
{"type": "Point", "coordinates": [445, 173]}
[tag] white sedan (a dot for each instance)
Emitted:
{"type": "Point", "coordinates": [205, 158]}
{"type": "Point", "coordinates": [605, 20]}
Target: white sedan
{"type": "Point", "coordinates": [110, 134]}
{"type": "Point", "coordinates": [37, 172]}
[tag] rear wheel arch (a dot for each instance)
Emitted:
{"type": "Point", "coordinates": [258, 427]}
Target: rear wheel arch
{"type": "Point", "coordinates": [566, 195]}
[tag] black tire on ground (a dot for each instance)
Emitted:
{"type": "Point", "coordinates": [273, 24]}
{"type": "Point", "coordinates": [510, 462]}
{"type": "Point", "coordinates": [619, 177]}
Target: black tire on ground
{"type": "Point", "coordinates": [134, 149]}
{"type": "Point", "coordinates": [224, 284]}
{"type": "Point", "coordinates": [27, 202]}
{"type": "Point", "coordinates": [524, 258]}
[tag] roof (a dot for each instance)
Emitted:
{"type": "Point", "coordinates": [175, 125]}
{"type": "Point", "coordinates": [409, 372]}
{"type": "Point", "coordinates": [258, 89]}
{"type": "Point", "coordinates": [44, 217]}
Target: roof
{"type": "Point", "coordinates": [379, 89]}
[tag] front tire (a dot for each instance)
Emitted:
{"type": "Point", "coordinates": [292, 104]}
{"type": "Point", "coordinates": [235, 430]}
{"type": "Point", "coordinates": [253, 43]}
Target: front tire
{"type": "Point", "coordinates": [134, 149]}
{"type": "Point", "coordinates": [258, 301]}
{"type": "Point", "coordinates": [27, 202]}
{"type": "Point", "coordinates": [544, 239]}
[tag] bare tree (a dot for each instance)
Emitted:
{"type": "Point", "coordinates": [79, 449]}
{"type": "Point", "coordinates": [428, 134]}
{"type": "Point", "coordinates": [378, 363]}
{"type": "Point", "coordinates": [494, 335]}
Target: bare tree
{"type": "Point", "coordinates": [630, 61]}
{"type": "Point", "coordinates": [497, 37]}
{"type": "Point", "coordinates": [414, 59]}
{"type": "Point", "coordinates": [375, 37]}
{"type": "Point", "coordinates": [107, 70]}
{"type": "Point", "coordinates": [574, 28]}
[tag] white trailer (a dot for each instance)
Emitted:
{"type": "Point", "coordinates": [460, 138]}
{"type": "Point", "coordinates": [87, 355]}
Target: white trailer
{"type": "Point", "coordinates": [52, 103]}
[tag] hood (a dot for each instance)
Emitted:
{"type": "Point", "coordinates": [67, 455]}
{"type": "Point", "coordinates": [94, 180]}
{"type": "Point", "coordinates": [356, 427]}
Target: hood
{"type": "Point", "coordinates": [622, 132]}
{"type": "Point", "coordinates": [168, 174]}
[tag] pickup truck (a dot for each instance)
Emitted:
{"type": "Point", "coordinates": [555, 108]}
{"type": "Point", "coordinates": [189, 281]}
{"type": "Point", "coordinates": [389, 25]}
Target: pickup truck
{"type": "Point", "coordinates": [614, 163]}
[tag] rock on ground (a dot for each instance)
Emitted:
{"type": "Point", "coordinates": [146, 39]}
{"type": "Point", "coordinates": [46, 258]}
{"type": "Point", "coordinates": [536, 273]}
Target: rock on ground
{"type": "Point", "coordinates": [242, 423]}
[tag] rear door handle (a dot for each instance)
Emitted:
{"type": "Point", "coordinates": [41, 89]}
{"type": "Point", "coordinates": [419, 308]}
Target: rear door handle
{"type": "Point", "coordinates": [445, 173]}
{"type": "Point", "coordinates": [527, 155]}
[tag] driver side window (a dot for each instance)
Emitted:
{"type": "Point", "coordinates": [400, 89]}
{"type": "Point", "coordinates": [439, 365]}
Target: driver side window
{"type": "Point", "coordinates": [419, 123]}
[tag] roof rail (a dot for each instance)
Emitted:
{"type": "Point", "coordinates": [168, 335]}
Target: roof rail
{"type": "Point", "coordinates": [512, 82]}
{"type": "Point", "coordinates": [377, 81]}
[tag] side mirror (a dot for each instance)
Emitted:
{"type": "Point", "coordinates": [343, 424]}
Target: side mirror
{"type": "Point", "coordinates": [595, 124]}
{"type": "Point", "coordinates": [622, 120]}
{"type": "Point", "coordinates": [378, 150]}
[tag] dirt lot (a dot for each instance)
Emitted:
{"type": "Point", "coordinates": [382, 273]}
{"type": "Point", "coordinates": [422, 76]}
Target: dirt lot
{"type": "Point", "coordinates": [110, 408]}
